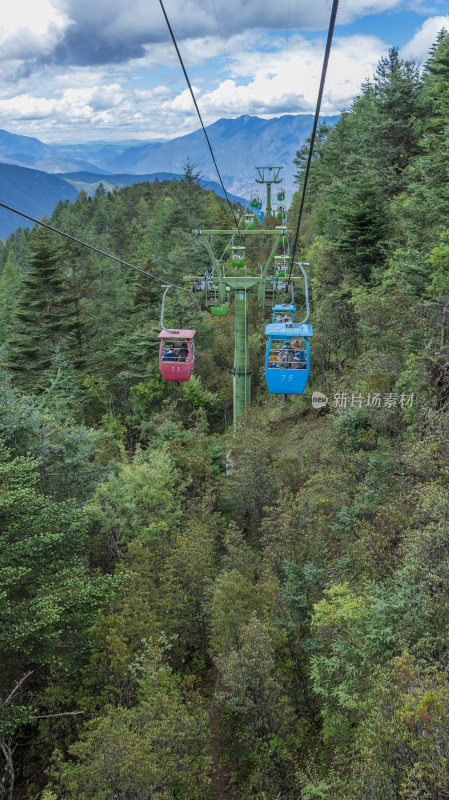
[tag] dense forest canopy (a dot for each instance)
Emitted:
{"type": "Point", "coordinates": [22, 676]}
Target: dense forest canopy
{"type": "Point", "coordinates": [173, 628]}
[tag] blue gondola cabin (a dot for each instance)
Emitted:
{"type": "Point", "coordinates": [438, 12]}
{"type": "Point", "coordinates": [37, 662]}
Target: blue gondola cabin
{"type": "Point", "coordinates": [287, 360]}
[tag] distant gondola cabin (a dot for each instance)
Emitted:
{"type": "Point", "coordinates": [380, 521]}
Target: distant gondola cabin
{"type": "Point", "coordinates": [255, 200]}
{"type": "Point", "coordinates": [218, 307]}
{"type": "Point", "coordinates": [238, 256]}
{"type": "Point", "coordinates": [280, 267]}
{"type": "Point", "coordinates": [280, 212]}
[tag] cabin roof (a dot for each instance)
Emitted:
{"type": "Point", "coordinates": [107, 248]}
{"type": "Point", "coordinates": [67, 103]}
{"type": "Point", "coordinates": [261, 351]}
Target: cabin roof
{"type": "Point", "coordinates": [288, 330]}
{"type": "Point", "coordinates": [176, 334]}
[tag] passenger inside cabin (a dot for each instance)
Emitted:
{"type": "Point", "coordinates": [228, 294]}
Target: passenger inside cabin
{"type": "Point", "coordinates": [169, 354]}
{"type": "Point", "coordinates": [285, 357]}
{"type": "Point", "coordinates": [299, 360]}
{"type": "Point", "coordinates": [183, 352]}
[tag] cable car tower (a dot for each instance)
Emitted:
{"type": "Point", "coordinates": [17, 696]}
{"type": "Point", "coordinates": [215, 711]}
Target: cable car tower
{"type": "Point", "coordinates": [241, 283]}
{"type": "Point", "coordinates": [270, 281]}
{"type": "Point", "coordinates": [269, 175]}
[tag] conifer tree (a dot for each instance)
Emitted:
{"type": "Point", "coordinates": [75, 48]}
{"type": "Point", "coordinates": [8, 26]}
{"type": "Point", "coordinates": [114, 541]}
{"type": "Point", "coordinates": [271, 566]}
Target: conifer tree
{"type": "Point", "coordinates": [45, 316]}
{"type": "Point", "coordinates": [436, 85]}
{"type": "Point", "coordinates": [9, 283]}
{"type": "Point", "coordinates": [427, 216]}
{"type": "Point", "coordinates": [395, 132]}
{"type": "Point", "coordinates": [364, 226]}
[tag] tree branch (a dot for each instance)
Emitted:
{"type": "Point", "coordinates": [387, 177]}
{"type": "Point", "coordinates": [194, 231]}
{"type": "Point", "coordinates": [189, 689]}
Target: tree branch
{"type": "Point", "coordinates": [17, 686]}
{"type": "Point", "coordinates": [61, 714]}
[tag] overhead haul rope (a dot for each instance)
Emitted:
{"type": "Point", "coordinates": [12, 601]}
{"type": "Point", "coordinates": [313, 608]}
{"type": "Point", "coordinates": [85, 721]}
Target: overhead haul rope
{"type": "Point", "coordinates": [91, 247]}
{"type": "Point", "coordinates": [330, 34]}
{"type": "Point", "coordinates": [199, 114]}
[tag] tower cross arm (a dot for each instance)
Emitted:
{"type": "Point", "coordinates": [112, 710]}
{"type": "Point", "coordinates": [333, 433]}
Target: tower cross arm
{"type": "Point", "coordinates": [273, 174]}
{"type": "Point", "coordinates": [254, 232]}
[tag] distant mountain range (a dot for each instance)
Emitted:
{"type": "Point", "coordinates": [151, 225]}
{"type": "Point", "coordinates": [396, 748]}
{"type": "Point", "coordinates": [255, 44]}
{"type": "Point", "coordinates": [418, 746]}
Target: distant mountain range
{"type": "Point", "coordinates": [34, 176]}
{"type": "Point", "coordinates": [25, 151]}
{"type": "Point", "coordinates": [239, 146]}
{"type": "Point", "coordinates": [88, 181]}
{"type": "Point", "coordinates": [36, 193]}
{"type": "Point", "coordinates": [30, 191]}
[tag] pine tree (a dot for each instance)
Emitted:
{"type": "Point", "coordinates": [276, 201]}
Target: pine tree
{"type": "Point", "coordinates": [364, 227]}
{"type": "Point", "coordinates": [9, 290]}
{"type": "Point", "coordinates": [436, 85]}
{"type": "Point", "coordinates": [301, 159]}
{"type": "Point", "coordinates": [45, 316]}
{"type": "Point", "coordinates": [427, 211]}
{"type": "Point", "coordinates": [395, 132]}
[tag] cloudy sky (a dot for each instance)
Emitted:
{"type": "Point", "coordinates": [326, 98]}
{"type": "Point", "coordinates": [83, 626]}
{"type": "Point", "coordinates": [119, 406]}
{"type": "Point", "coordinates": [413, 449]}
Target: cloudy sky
{"type": "Point", "coordinates": [84, 70]}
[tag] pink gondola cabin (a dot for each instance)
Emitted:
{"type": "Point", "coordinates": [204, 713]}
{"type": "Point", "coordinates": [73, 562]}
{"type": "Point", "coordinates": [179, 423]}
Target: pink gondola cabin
{"type": "Point", "coordinates": [176, 354]}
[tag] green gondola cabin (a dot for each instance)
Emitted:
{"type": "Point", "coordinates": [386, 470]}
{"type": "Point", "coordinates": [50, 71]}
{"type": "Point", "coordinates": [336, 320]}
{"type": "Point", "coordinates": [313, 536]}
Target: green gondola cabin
{"type": "Point", "coordinates": [238, 256]}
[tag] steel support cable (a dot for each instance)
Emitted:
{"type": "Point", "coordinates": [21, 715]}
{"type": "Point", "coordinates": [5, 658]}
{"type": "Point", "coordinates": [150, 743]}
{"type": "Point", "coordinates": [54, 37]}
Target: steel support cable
{"type": "Point", "coordinates": [199, 114]}
{"type": "Point", "coordinates": [287, 38]}
{"type": "Point", "coordinates": [91, 247]}
{"type": "Point", "coordinates": [251, 149]}
{"type": "Point", "coordinates": [330, 34]}
{"type": "Point", "coordinates": [246, 342]}
{"type": "Point", "coordinates": [164, 328]}
{"type": "Point", "coordinates": [222, 40]}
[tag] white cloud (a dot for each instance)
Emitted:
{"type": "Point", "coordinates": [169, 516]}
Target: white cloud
{"type": "Point", "coordinates": [264, 79]}
{"type": "Point", "coordinates": [141, 92]}
{"type": "Point", "coordinates": [349, 10]}
{"type": "Point", "coordinates": [424, 38]}
{"type": "Point", "coordinates": [235, 16]}
{"type": "Point", "coordinates": [29, 30]}
{"type": "Point", "coordinates": [82, 32]}
{"type": "Point", "coordinates": [284, 82]}
{"type": "Point", "coordinates": [26, 107]}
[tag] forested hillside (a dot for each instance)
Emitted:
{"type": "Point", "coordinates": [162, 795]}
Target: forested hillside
{"type": "Point", "coordinates": [192, 613]}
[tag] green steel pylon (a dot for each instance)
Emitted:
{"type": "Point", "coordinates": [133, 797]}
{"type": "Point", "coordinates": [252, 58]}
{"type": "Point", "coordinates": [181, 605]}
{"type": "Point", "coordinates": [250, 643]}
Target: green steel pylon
{"type": "Point", "coordinates": [242, 285]}
{"type": "Point", "coordinates": [241, 373]}
{"type": "Point", "coordinates": [273, 177]}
